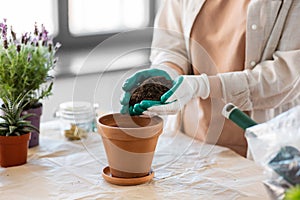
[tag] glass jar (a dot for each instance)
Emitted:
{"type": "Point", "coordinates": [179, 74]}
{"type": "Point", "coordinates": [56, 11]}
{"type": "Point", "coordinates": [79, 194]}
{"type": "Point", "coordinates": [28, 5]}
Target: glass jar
{"type": "Point", "coordinates": [77, 119]}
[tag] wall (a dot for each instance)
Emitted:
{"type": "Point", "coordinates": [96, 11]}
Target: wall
{"type": "Point", "coordinates": [103, 88]}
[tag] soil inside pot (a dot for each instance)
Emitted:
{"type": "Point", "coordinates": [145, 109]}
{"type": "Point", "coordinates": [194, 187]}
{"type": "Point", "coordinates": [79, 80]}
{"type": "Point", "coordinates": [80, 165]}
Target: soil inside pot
{"type": "Point", "coordinates": [151, 89]}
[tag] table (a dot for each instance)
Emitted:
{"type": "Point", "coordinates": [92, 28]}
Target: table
{"type": "Point", "coordinates": [184, 169]}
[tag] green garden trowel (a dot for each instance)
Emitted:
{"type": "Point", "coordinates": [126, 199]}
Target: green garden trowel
{"type": "Point", "coordinates": [232, 112]}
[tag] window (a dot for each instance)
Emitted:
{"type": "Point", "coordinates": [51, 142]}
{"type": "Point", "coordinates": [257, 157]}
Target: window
{"type": "Point", "coordinates": [86, 23]}
{"type": "Point", "coordinates": [88, 17]}
{"type": "Point", "coordinates": [80, 25]}
{"type": "Point", "coordinates": [23, 14]}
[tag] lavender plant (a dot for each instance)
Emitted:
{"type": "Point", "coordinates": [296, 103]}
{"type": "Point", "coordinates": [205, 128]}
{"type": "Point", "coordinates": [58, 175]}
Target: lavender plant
{"type": "Point", "coordinates": [26, 63]}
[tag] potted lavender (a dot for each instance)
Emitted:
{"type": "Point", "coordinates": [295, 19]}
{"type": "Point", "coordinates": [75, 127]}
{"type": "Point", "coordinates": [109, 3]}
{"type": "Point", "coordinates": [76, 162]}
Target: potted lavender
{"type": "Point", "coordinates": [25, 65]}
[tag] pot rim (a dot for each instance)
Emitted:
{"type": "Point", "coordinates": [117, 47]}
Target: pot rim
{"type": "Point", "coordinates": [159, 122]}
{"type": "Point", "coordinates": [15, 139]}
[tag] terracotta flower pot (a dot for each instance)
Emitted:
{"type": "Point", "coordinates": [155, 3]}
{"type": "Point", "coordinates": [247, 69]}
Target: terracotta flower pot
{"type": "Point", "coordinates": [13, 150]}
{"type": "Point", "coordinates": [130, 143]}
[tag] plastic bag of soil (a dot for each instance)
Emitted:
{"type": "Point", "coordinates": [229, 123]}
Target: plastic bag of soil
{"type": "Point", "coordinates": [276, 146]}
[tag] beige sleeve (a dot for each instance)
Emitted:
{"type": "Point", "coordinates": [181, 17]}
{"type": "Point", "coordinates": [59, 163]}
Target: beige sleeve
{"type": "Point", "coordinates": [275, 81]}
{"type": "Point", "coordinates": [172, 69]}
{"type": "Point", "coordinates": [270, 84]}
{"type": "Point", "coordinates": [168, 44]}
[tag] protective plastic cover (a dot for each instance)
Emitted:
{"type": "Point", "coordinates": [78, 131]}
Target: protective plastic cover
{"type": "Point", "coordinates": [276, 146]}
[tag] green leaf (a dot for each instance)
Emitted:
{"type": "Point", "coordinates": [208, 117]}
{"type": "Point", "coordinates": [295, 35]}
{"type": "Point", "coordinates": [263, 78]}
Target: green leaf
{"type": "Point", "coordinates": [12, 129]}
{"type": "Point", "coordinates": [293, 193]}
{"type": "Point", "coordinates": [3, 129]}
{"type": "Point", "coordinates": [27, 115]}
{"type": "Point", "coordinates": [31, 127]}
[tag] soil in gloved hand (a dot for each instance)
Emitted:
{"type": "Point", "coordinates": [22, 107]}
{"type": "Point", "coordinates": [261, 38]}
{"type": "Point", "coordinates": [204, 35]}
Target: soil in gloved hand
{"type": "Point", "coordinates": [151, 89]}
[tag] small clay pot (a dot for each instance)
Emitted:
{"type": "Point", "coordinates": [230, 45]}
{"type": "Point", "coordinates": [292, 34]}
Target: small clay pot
{"type": "Point", "coordinates": [130, 143]}
{"type": "Point", "coordinates": [13, 150]}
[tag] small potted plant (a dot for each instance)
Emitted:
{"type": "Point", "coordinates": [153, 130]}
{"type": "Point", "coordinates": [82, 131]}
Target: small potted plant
{"type": "Point", "coordinates": [25, 66]}
{"type": "Point", "coordinates": [14, 132]}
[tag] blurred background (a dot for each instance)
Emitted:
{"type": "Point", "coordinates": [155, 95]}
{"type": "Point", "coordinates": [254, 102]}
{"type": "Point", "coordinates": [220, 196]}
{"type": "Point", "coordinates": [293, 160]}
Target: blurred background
{"type": "Point", "coordinates": [103, 42]}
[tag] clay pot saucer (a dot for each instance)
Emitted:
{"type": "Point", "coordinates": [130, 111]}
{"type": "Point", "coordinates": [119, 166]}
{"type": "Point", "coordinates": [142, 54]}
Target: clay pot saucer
{"type": "Point", "coordinates": [125, 181]}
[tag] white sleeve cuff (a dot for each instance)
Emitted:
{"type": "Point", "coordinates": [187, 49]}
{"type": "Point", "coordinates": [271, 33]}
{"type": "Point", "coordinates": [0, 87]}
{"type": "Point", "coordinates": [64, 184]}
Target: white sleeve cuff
{"type": "Point", "coordinates": [163, 57]}
{"type": "Point", "coordinates": [172, 72]}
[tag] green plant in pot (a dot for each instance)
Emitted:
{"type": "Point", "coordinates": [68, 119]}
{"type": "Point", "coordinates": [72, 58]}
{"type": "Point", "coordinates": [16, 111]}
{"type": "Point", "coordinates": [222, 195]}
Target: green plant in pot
{"type": "Point", "coordinates": [14, 132]}
{"type": "Point", "coordinates": [25, 66]}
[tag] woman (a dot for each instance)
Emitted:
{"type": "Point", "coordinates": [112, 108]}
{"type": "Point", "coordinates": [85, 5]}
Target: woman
{"type": "Point", "coordinates": [246, 52]}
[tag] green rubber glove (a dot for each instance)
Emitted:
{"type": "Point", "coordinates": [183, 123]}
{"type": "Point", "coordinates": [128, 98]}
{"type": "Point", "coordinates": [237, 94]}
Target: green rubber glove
{"type": "Point", "coordinates": [139, 108]}
{"type": "Point", "coordinates": [134, 81]}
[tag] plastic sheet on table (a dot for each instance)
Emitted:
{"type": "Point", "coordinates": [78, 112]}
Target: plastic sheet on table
{"type": "Point", "coordinates": [275, 145]}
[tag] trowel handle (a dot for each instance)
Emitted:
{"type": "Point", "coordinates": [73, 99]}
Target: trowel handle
{"type": "Point", "coordinates": [231, 112]}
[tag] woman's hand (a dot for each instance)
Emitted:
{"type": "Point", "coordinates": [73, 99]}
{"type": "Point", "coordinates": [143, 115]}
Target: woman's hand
{"type": "Point", "coordinates": [134, 81]}
{"type": "Point", "coordinates": [185, 88]}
